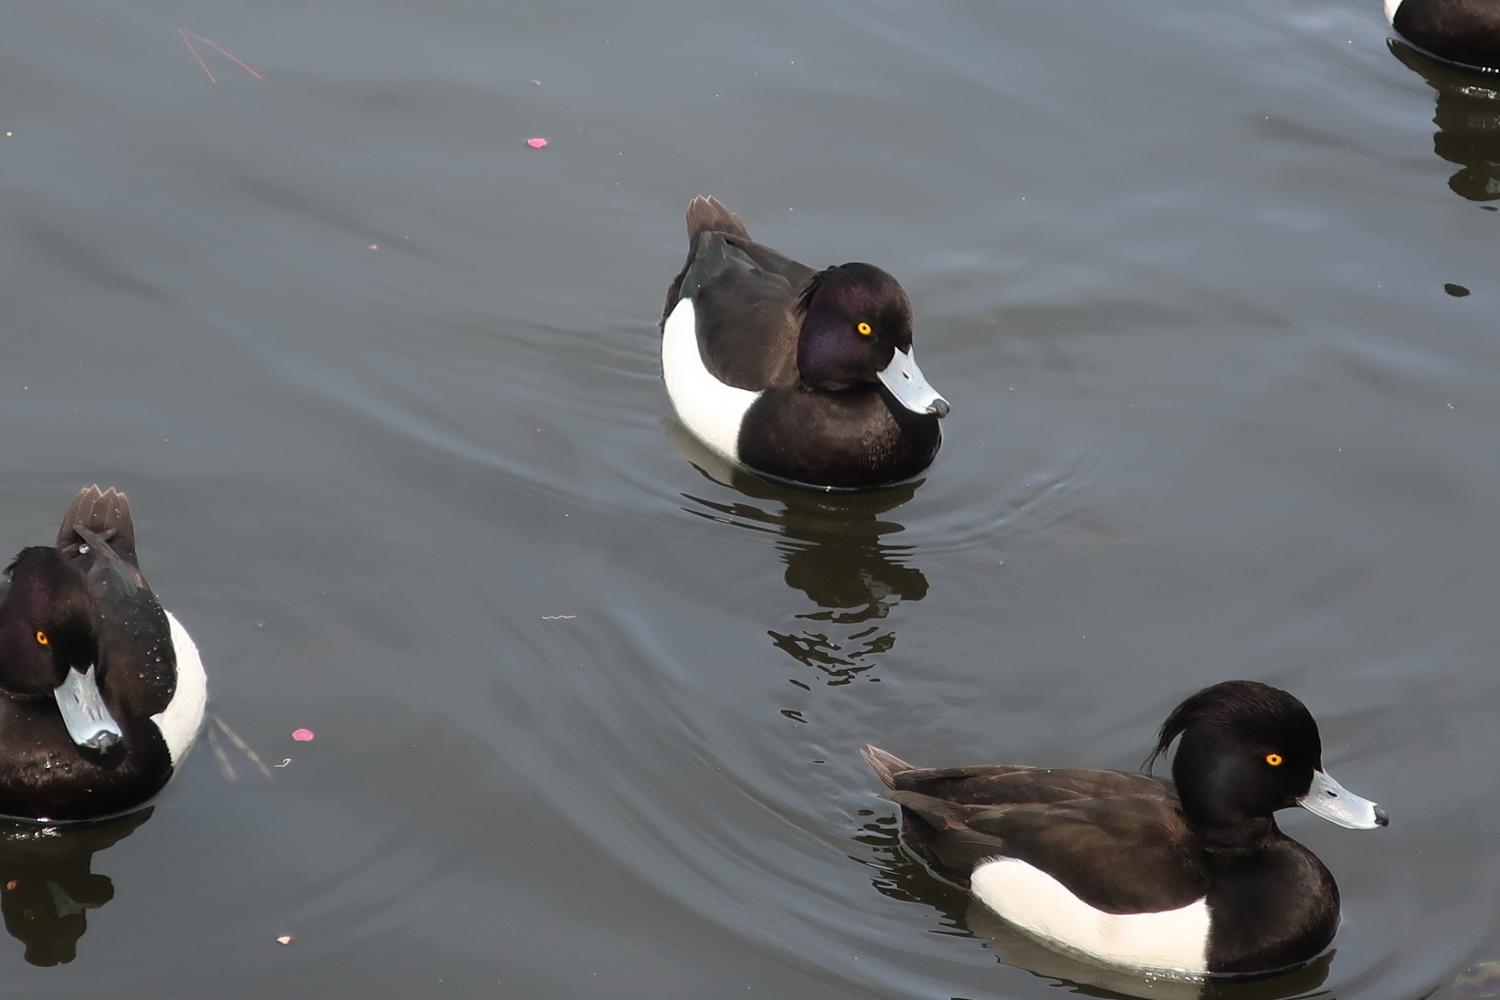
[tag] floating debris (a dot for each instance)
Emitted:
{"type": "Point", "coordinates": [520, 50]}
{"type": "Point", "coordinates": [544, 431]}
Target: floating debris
{"type": "Point", "coordinates": [220, 726]}
{"type": "Point", "coordinates": [284, 939]}
{"type": "Point", "coordinates": [558, 618]}
{"type": "Point", "coordinates": [189, 37]}
{"type": "Point", "coordinates": [303, 735]}
{"type": "Point", "coordinates": [537, 142]}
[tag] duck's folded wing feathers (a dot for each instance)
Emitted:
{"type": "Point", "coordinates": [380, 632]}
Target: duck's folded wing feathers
{"type": "Point", "coordinates": [1119, 855]}
{"type": "Point", "coordinates": [745, 311]}
{"type": "Point", "coordinates": [994, 784]}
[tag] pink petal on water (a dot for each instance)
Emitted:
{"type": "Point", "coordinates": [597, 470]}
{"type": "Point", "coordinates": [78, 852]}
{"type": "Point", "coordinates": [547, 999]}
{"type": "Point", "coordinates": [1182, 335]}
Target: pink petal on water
{"type": "Point", "coordinates": [303, 735]}
{"type": "Point", "coordinates": [537, 142]}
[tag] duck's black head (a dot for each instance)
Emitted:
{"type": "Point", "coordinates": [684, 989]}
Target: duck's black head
{"type": "Point", "coordinates": [1248, 749]}
{"type": "Point", "coordinates": [49, 644]}
{"type": "Point", "coordinates": [856, 329]}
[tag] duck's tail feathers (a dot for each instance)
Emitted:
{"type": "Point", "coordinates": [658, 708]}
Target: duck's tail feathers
{"type": "Point", "coordinates": [709, 215]}
{"type": "Point", "coordinates": [885, 765]}
{"type": "Point", "coordinates": [102, 516]}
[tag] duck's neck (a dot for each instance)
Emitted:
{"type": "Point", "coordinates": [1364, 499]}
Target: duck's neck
{"type": "Point", "coordinates": [1233, 835]}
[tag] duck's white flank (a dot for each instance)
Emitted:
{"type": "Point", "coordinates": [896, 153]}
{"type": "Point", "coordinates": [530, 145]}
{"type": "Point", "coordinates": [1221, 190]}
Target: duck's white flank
{"type": "Point", "coordinates": [1028, 897]}
{"type": "Point", "coordinates": [1391, 6]}
{"type": "Point", "coordinates": [710, 409]}
{"type": "Point", "coordinates": [182, 719]}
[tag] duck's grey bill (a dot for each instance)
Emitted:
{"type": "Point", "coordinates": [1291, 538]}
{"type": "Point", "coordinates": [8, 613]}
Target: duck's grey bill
{"type": "Point", "coordinates": [909, 385]}
{"type": "Point", "coordinates": [1335, 803]}
{"type": "Point", "coordinates": [84, 713]}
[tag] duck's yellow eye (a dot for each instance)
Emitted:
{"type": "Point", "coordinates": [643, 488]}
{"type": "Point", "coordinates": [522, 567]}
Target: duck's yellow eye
{"type": "Point", "coordinates": [864, 329]}
{"type": "Point", "coordinates": [41, 638]}
{"type": "Point", "coordinates": [1274, 759]}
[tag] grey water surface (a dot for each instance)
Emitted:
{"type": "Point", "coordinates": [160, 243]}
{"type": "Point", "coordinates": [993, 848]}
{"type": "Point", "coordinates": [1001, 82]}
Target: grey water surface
{"type": "Point", "coordinates": [1211, 286]}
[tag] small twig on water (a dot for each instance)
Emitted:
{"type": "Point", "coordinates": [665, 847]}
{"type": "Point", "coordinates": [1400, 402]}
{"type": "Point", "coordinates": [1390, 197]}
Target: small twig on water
{"type": "Point", "coordinates": [243, 747]}
{"type": "Point", "coordinates": [196, 56]}
{"type": "Point", "coordinates": [230, 774]}
{"type": "Point", "coordinates": [187, 39]}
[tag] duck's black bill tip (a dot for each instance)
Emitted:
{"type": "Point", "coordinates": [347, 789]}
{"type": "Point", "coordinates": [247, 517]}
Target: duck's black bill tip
{"type": "Point", "coordinates": [939, 408]}
{"type": "Point", "coordinates": [1382, 818]}
{"type": "Point", "coordinates": [101, 742]}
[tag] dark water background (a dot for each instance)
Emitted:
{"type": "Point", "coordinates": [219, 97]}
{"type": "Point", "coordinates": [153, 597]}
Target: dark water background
{"type": "Point", "coordinates": [1180, 267]}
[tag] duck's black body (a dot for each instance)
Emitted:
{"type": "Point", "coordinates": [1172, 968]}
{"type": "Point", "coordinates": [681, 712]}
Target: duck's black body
{"type": "Point", "coordinates": [1130, 869]}
{"type": "Point", "coordinates": [750, 307]}
{"type": "Point", "coordinates": [1120, 843]}
{"type": "Point", "coordinates": [44, 774]}
{"type": "Point", "coordinates": [1465, 32]}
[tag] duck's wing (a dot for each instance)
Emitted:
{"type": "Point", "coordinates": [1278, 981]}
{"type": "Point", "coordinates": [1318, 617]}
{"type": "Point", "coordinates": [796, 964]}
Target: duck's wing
{"type": "Point", "coordinates": [1119, 855]}
{"type": "Point", "coordinates": [135, 641]}
{"type": "Point", "coordinates": [1012, 784]}
{"type": "Point", "coordinates": [744, 299]}
{"type": "Point", "coordinates": [1083, 827]}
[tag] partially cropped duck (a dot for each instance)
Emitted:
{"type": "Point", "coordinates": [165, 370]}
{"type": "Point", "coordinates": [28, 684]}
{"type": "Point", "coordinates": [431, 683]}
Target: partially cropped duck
{"type": "Point", "coordinates": [102, 692]}
{"type": "Point", "coordinates": [1466, 32]}
{"type": "Point", "coordinates": [802, 375]}
{"type": "Point", "coordinates": [1190, 875]}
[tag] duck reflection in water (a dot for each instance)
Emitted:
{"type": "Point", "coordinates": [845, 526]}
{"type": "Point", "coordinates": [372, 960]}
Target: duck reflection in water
{"type": "Point", "coordinates": [47, 887]}
{"type": "Point", "coordinates": [1467, 118]}
{"type": "Point", "coordinates": [834, 551]}
{"type": "Point", "coordinates": [897, 874]}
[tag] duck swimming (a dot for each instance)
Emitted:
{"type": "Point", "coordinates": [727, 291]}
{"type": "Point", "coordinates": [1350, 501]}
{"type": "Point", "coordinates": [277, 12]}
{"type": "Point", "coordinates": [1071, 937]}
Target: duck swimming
{"type": "Point", "coordinates": [102, 692]}
{"type": "Point", "coordinates": [802, 375]}
{"type": "Point", "coordinates": [1190, 875]}
{"type": "Point", "coordinates": [1465, 32]}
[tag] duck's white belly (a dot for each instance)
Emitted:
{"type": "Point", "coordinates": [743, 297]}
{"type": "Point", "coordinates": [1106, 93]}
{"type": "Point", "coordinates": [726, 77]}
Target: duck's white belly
{"type": "Point", "coordinates": [1391, 6]}
{"type": "Point", "coordinates": [182, 719]}
{"type": "Point", "coordinates": [1175, 940]}
{"type": "Point", "coordinates": [710, 409]}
